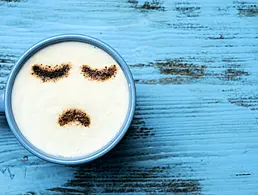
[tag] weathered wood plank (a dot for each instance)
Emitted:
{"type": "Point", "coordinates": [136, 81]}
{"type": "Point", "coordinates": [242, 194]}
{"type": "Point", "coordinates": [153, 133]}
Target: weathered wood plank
{"type": "Point", "coordinates": [195, 65]}
{"type": "Point", "coordinates": [157, 154]}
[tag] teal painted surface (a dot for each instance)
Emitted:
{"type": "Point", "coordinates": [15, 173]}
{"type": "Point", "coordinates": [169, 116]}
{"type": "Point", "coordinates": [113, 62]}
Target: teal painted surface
{"type": "Point", "coordinates": [195, 64]}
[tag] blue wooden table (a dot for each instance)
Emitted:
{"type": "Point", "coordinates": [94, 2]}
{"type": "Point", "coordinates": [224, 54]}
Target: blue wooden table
{"type": "Point", "coordinates": [195, 129]}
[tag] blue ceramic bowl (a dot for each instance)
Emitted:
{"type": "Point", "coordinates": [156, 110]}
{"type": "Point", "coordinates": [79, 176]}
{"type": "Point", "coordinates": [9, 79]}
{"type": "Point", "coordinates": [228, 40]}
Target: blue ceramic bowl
{"type": "Point", "coordinates": [5, 99]}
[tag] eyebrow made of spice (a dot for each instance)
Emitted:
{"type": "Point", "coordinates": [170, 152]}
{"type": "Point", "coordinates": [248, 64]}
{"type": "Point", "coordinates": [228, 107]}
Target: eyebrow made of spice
{"type": "Point", "coordinates": [50, 73]}
{"type": "Point", "coordinates": [99, 74]}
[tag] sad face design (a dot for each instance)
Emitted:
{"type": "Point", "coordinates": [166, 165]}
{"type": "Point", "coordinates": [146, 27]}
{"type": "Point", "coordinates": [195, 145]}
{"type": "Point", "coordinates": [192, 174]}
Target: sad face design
{"type": "Point", "coordinates": [54, 73]}
{"type": "Point", "coordinates": [70, 99]}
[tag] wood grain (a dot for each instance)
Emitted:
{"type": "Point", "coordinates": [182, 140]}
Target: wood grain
{"type": "Point", "coordinates": [195, 126]}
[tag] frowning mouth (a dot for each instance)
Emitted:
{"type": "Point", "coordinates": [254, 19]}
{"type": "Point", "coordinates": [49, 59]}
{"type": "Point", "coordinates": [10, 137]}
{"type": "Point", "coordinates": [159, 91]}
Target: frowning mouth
{"type": "Point", "coordinates": [74, 115]}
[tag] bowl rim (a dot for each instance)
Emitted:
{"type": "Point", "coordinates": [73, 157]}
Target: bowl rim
{"type": "Point", "coordinates": [66, 38]}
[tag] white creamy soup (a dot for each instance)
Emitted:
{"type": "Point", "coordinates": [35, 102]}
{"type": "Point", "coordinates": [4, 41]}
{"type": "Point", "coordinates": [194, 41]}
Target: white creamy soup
{"type": "Point", "coordinates": [70, 99]}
